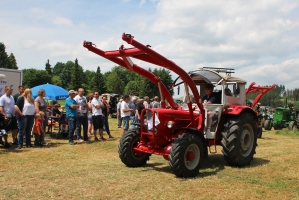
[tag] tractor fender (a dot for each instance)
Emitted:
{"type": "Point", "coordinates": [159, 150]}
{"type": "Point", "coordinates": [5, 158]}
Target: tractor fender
{"type": "Point", "coordinates": [194, 131]}
{"type": "Point", "coordinates": [237, 110]}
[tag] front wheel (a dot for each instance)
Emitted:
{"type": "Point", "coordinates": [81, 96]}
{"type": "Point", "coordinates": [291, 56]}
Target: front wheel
{"type": "Point", "coordinates": [267, 125]}
{"type": "Point", "coordinates": [292, 125]}
{"type": "Point", "coordinates": [239, 140]}
{"type": "Point", "coordinates": [127, 154]}
{"type": "Point", "coordinates": [185, 155]}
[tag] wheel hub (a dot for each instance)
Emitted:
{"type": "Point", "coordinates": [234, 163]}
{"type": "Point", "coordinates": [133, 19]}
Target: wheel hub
{"type": "Point", "coordinates": [245, 140]}
{"type": "Point", "coordinates": [190, 156]}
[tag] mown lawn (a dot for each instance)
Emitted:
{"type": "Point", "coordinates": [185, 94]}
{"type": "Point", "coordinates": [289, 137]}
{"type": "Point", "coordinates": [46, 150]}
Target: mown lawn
{"type": "Point", "coordinates": [94, 171]}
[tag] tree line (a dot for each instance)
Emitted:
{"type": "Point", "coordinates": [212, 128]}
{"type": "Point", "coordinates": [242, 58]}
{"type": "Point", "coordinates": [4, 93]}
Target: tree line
{"type": "Point", "coordinates": [279, 96]}
{"type": "Point", "coordinates": [71, 75]}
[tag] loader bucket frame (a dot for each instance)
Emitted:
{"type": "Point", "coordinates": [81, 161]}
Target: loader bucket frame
{"type": "Point", "coordinates": [145, 53]}
{"type": "Point", "coordinates": [261, 89]}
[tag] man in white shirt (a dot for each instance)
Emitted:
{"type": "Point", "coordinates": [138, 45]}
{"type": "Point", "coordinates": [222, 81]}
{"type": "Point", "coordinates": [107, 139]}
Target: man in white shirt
{"type": "Point", "coordinates": [125, 112]}
{"type": "Point", "coordinates": [97, 106]}
{"type": "Point", "coordinates": [82, 115]}
{"type": "Point", "coordinates": [119, 120]}
{"type": "Point", "coordinates": [7, 108]}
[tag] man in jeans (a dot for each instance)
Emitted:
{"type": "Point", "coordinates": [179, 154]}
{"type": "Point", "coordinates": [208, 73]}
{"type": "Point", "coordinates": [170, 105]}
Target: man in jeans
{"type": "Point", "coordinates": [119, 120]}
{"type": "Point", "coordinates": [71, 114]}
{"type": "Point", "coordinates": [82, 115]}
{"type": "Point", "coordinates": [125, 112]}
{"type": "Point", "coordinates": [133, 113]}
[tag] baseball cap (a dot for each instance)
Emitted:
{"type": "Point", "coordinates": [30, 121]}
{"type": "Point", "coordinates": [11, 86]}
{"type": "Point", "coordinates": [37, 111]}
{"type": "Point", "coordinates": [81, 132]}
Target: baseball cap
{"type": "Point", "coordinates": [72, 92]}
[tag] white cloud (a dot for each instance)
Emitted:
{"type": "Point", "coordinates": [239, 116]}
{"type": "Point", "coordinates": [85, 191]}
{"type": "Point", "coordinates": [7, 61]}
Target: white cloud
{"type": "Point", "coordinates": [62, 21]}
{"type": "Point", "coordinates": [258, 38]}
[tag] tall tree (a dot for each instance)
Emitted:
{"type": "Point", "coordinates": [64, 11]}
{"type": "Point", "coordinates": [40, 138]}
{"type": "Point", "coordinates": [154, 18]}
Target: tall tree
{"type": "Point", "coordinates": [76, 75]}
{"type": "Point", "coordinates": [3, 56]}
{"type": "Point", "coordinates": [48, 67]}
{"type": "Point", "coordinates": [98, 83]}
{"type": "Point", "coordinates": [12, 62]}
{"type": "Point", "coordinates": [65, 75]}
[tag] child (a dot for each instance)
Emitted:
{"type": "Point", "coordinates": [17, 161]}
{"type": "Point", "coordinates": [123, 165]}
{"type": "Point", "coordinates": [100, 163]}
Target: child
{"type": "Point", "coordinates": [37, 130]}
{"type": "Point", "coordinates": [41, 120]}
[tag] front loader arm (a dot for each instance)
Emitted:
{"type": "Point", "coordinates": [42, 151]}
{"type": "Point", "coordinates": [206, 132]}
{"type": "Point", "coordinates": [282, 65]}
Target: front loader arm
{"type": "Point", "coordinates": [145, 53]}
{"type": "Point", "coordinates": [261, 89]}
{"type": "Point", "coordinates": [119, 58]}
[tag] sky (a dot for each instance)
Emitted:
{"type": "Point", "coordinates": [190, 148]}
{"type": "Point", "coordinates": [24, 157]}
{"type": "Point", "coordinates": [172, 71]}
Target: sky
{"type": "Point", "coordinates": [257, 38]}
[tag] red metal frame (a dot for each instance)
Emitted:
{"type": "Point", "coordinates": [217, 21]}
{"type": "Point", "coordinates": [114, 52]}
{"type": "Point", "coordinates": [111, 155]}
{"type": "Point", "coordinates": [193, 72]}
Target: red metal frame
{"type": "Point", "coordinates": [261, 89]}
{"type": "Point", "coordinates": [145, 53]}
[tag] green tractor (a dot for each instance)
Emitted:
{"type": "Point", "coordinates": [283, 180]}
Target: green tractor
{"type": "Point", "coordinates": [285, 117]}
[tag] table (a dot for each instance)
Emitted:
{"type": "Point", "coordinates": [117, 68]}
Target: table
{"type": "Point", "coordinates": [53, 118]}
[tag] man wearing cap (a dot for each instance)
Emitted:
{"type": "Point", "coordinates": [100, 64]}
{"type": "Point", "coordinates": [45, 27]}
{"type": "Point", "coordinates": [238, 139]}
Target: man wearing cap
{"type": "Point", "coordinates": [209, 98]}
{"type": "Point", "coordinates": [82, 115]}
{"type": "Point", "coordinates": [71, 114]}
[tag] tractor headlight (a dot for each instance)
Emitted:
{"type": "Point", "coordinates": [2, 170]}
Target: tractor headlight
{"type": "Point", "coordinates": [170, 124]}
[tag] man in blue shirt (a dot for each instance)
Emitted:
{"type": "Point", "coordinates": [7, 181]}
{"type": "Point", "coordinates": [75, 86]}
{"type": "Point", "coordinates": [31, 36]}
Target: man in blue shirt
{"type": "Point", "coordinates": [71, 107]}
{"type": "Point", "coordinates": [210, 96]}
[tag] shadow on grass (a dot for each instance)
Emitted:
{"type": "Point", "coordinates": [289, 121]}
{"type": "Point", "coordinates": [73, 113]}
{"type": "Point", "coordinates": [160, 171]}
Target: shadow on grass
{"type": "Point", "coordinates": [209, 167]}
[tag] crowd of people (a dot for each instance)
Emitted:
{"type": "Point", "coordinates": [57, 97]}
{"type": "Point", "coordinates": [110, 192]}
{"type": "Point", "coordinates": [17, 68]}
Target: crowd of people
{"type": "Point", "coordinates": [24, 116]}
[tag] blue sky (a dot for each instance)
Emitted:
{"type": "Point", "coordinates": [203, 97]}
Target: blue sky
{"type": "Point", "coordinates": [258, 38]}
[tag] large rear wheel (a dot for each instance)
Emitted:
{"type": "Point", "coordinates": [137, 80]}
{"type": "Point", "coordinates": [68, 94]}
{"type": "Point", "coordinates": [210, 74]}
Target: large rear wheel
{"type": "Point", "coordinates": [239, 140]}
{"type": "Point", "coordinates": [127, 154]}
{"type": "Point", "coordinates": [292, 125]}
{"type": "Point", "coordinates": [185, 155]}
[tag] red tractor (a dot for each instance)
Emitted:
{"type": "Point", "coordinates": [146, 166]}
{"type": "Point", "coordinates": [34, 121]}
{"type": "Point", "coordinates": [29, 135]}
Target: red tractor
{"type": "Point", "coordinates": [177, 132]}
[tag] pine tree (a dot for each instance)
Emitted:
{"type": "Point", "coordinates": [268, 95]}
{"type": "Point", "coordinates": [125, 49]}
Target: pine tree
{"type": "Point", "coordinates": [76, 76]}
{"type": "Point", "coordinates": [3, 56]}
{"type": "Point", "coordinates": [48, 67]}
{"type": "Point", "coordinates": [12, 62]}
{"type": "Point", "coordinates": [98, 82]}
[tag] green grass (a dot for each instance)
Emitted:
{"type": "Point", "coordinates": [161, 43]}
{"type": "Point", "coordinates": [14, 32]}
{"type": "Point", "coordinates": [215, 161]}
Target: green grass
{"type": "Point", "coordinates": [292, 133]}
{"type": "Point", "coordinates": [94, 171]}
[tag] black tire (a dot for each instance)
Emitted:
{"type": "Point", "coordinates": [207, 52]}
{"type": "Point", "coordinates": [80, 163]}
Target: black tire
{"type": "Point", "coordinates": [128, 156]}
{"type": "Point", "coordinates": [292, 125]}
{"type": "Point", "coordinates": [267, 125]}
{"type": "Point", "coordinates": [259, 132]}
{"type": "Point", "coordinates": [185, 155]}
{"type": "Point", "coordinates": [239, 140]}
{"type": "Point", "coordinates": [276, 127]}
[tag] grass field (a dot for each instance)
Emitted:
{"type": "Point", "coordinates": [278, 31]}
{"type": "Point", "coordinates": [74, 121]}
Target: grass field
{"type": "Point", "coordinates": [94, 171]}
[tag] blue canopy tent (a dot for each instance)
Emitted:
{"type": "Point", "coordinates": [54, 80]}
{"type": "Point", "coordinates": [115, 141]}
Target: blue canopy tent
{"type": "Point", "coordinates": [53, 92]}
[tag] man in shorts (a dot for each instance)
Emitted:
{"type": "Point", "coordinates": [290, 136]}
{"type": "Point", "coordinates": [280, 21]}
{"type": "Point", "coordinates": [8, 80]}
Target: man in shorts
{"type": "Point", "coordinates": [97, 119]}
{"type": "Point", "coordinates": [125, 112]}
{"type": "Point", "coordinates": [7, 108]}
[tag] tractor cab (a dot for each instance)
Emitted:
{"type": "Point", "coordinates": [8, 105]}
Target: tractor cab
{"type": "Point", "coordinates": [228, 91]}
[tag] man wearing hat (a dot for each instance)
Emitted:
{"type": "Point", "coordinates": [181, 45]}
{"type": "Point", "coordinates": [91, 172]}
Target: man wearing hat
{"type": "Point", "coordinates": [71, 114]}
{"type": "Point", "coordinates": [209, 98]}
